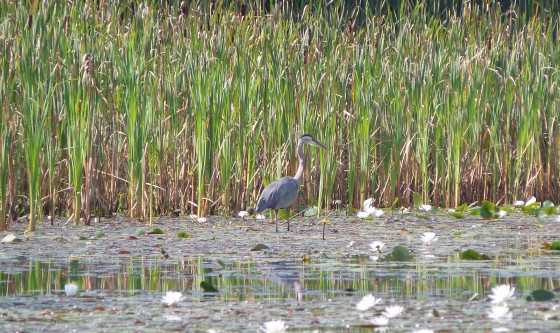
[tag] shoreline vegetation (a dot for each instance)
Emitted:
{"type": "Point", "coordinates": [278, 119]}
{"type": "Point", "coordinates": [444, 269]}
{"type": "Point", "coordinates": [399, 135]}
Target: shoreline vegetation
{"type": "Point", "coordinates": [185, 107]}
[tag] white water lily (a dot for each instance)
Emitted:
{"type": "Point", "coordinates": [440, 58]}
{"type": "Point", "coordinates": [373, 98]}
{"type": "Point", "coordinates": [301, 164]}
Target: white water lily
{"type": "Point", "coordinates": [260, 217]}
{"type": "Point", "coordinates": [376, 246]}
{"type": "Point", "coordinates": [392, 311]}
{"type": "Point", "coordinates": [380, 321]}
{"type": "Point", "coordinates": [558, 218]}
{"type": "Point", "coordinates": [378, 213]}
{"type": "Point", "coordinates": [429, 237]}
{"type": "Point", "coordinates": [498, 312]}
{"type": "Point", "coordinates": [362, 215]}
{"type": "Point", "coordinates": [71, 289]}
{"type": "Point", "coordinates": [274, 326]}
{"type": "Point", "coordinates": [367, 302]}
{"type": "Point", "coordinates": [193, 216]}
{"type": "Point", "coordinates": [243, 213]}
{"type": "Point", "coordinates": [501, 293]}
{"type": "Point", "coordinates": [368, 204]}
{"type": "Point", "coordinates": [405, 211]}
{"type": "Point", "coordinates": [172, 297]}
{"type": "Point", "coordinates": [502, 213]}
{"type": "Point", "coordinates": [426, 208]}
{"type": "Point", "coordinates": [531, 201]}
{"type": "Point", "coordinates": [374, 258]}
{"type": "Point", "coordinates": [202, 219]}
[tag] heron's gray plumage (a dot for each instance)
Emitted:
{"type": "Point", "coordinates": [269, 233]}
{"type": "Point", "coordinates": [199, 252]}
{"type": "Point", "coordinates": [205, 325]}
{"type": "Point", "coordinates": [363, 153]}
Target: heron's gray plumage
{"type": "Point", "coordinates": [283, 192]}
{"type": "Point", "coordinates": [279, 194]}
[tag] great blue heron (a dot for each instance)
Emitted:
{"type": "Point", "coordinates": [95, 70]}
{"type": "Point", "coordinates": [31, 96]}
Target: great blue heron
{"type": "Point", "coordinates": [283, 192]}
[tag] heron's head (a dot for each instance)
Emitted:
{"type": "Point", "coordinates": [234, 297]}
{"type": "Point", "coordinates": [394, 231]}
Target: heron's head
{"type": "Point", "coordinates": [308, 139]}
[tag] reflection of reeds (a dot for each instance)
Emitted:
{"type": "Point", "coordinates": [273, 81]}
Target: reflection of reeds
{"type": "Point", "coordinates": [189, 118]}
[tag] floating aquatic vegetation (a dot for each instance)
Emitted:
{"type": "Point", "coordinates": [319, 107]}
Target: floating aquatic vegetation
{"type": "Point", "coordinates": [157, 231]}
{"type": "Point", "coordinates": [376, 246]}
{"type": "Point", "coordinates": [208, 287]}
{"type": "Point", "coordinates": [473, 255]}
{"type": "Point", "coordinates": [367, 302]}
{"type": "Point", "coordinates": [540, 295]}
{"type": "Point", "coordinates": [259, 247]}
{"type": "Point", "coordinates": [399, 253]}
{"type": "Point", "coordinates": [380, 321]}
{"type": "Point", "coordinates": [274, 326]}
{"type": "Point", "coordinates": [429, 237]}
{"type": "Point", "coordinates": [426, 208]}
{"type": "Point", "coordinates": [172, 297]}
{"type": "Point", "coordinates": [499, 312]}
{"type": "Point", "coordinates": [362, 215]}
{"type": "Point", "coordinates": [183, 234]}
{"type": "Point", "coordinates": [392, 311]}
{"type": "Point", "coordinates": [242, 214]}
{"type": "Point", "coordinates": [502, 293]}
{"type": "Point", "coordinates": [70, 289]}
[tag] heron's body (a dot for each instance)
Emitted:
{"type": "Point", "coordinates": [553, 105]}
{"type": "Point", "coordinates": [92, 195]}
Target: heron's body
{"type": "Point", "coordinates": [279, 194]}
{"type": "Point", "coordinates": [283, 192]}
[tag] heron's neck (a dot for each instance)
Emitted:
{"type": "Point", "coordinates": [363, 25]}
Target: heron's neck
{"type": "Point", "coordinates": [301, 166]}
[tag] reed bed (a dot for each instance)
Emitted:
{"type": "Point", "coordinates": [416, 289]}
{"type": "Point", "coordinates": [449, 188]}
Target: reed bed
{"type": "Point", "coordinates": [194, 107]}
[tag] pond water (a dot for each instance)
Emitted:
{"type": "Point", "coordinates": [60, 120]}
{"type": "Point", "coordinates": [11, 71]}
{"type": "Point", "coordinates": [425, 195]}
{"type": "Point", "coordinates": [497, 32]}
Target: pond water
{"type": "Point", "coordinates": [310, 283]}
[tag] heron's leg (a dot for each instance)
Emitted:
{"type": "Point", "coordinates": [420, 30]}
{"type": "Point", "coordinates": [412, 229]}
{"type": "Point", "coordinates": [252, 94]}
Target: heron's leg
{"type": "Point", "coordinates": [276, 219]}
{"type": "Point", "coordinates": [288, 217]}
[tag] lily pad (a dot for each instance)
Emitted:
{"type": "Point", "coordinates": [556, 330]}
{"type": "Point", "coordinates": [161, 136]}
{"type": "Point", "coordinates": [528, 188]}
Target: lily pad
{"type": "Point", "coordinates": [485, 212]}
{"type": "Point", "coordinates": [488, 205]}
{"type": "Point", "coordinates": [474, 255]}
{"type": "Point", "coordinates": [208, 287]}
{"type": "Point", "coordinates": [99, 234]}
{"type": "Point", "coordinates": [184, 235]}
{"type": "Point", "coordinates": [157, 231]}
{"type": "Point", "coordinates": [555, 246]}
{"type": "Point", "coordinates": [548, 204]}
{"type": "Point", "coordinates": [540, 296]}
{"type": "Point", "coordinates": [259, 247]}
{"type": "Point", "coordinates": [539, 213]}
{"type": "Point", "coordinates": [311, 211]}
{"type": "Point", "coordinates": [399, 253]}
{"type": "Point", "coordinates": [457, 215]}
{"type": "Point", "coordinates": [551, 210]}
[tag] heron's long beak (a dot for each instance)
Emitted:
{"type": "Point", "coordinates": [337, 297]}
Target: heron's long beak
{"type": "Point", "coordinates": [317, 144]}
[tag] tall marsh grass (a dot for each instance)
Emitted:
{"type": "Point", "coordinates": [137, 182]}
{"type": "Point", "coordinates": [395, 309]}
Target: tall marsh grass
{"type": "Point", "coordinates": [177, 107]}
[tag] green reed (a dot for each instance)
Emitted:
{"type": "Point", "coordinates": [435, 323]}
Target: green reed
{"type": "Point", "coordinates": [5, 137]}
{"type": "Point", "coordinates": [183, 108]}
